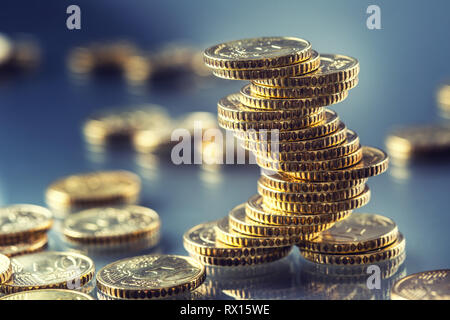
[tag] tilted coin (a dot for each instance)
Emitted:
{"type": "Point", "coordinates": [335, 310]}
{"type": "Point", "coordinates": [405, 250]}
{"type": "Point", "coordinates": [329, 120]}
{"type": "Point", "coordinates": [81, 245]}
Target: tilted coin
{"type": "Point", "coordinates": [61, 270]}
{"type": "Point", "coordinates": [320, 207]}
{"type": "Point", "coordinates": [382, 254]}
{"type": "Point", "coordinates": [358, 233]}
{"type": "Point", "coordinates": [48, 294]}
{"type": "Point", "coordinates": [263, 73]}
{"type": "Point", "coordinates": [111, 224]}
{"type": "Point", "coordinates": [25, 247]}
{"type": "Point", "coordinates": [23, 222]}
{"type": "Point", "coordinates": [150, 276]}
{"type": "Point", "coordinates": [5, 268]}
{"type": "Point", "coordinates": [419, 140]}
{"type": "Point", "coordinates": [333, 68]}
{"type": "Point", "coordinates": [256, 211]}
{"type": "Point", "coordinates": [264, 52]}
{"type": "Point", "coordinates": [427, 285]}
{"type": "Point", "coordinates": [374, 162]}
{"type": "Point", "coordinates": [260, 102]}
{"type": "Point", "coordinates": [94, 189]}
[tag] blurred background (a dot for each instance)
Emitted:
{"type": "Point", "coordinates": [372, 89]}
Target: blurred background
{"type": "Point", "coordinates": [43, 108]}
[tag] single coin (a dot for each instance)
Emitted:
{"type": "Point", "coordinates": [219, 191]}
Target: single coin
{"type": "Point", "coordinates": [94, 189]}
{"type": "Point", "coordinates": [320, 207]}
{"type": "Point", "coordinates": [61, 270]}
{"type": "Point", "coordinates": [264, 73]}
{"type": "Point", "coordinates": [303, 92]}
{"type": "Point", "coordinates": [282, 125]}
{"type": "Point", "coordinates": [23, 222]}
{"type": "Point", "coordinates": [5, 268]}
{"type": "Point", "coordinates": [150, 276]}
{"type": "Point", "coordinates": [328, 125]}
{"type": "Point", "coordinates": [48, 294]}
{"type": "Point", "coordinates": [25, 247]}
{"type": "Point", "coordinates": [260, 102]}
{"type": "Point", "coordinates": [419, 141]}
{"type": "Point", "coordinates": [226, 234]}
{"type": "Point", "coordinates": [110, 224]}
{"type": "Point", "coordinates": [230, 108]}
{"type": "Point", "coordinates": [374, 162]}
{"type": "Point", "coordinates": [256, 211]}
{"type": "Point", "coordinates": [201, 240]}
{"type": "Point", "coordinates": [427, 285]}
{"type": "Point", "coordinates": [333, 68]}
{"type": "Point", "coordinates": [360, 232]}
{"type": "Point", "coordinates": [264, 52]}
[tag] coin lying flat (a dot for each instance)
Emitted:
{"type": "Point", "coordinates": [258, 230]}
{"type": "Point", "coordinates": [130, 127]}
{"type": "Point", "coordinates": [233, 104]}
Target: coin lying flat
{"type": "Point", "coordinates": [48, 294]}
{"type": "Point", "coordinates": [112, 224]}
{"type": "Point", "coordinates": [5, 268]}
{"type": "Point", "coordinates": [427, 285]}
{"type": "Point", "coordinates": [23, 222]}
{"type": "Point", "coordinates": [94, 189]}
{"type": "Point", "coordinates": [25, 247]}
{"type": "Point", "coordinates": [150, 276]}
{"type": "Point", "coordinates": [358, 233]}
{"type": "Point", "coordinates": [49, 270]}
{"type": "Point", "coordinates": [264, 52]}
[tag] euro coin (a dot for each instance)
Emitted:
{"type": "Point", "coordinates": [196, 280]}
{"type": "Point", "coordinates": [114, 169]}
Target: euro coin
{"type": "Point", "coordinates": [25, 247]}
{"type": "Point", "coordinates": [5, 268]}
{"type": "Point", "coordinates": [48, 294]}
{"type": "Point", "coordinates": [427, 285]}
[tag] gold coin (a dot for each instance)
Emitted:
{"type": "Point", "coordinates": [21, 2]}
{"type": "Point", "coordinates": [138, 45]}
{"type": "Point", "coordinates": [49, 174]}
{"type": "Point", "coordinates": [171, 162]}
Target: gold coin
{"type": "Point", "coordinates": [303, 92]}
{"type": "Point", "coordinates": [264, 73]}
{"type": "Point", "coordinates": [367, 257]}
{"type": "Point", "coordinates": [427, 285]}
{"type": "Point", "coordinates": [306, 166]}
{"type": "Point", "coordinates": [260, 148]}
{"type": "Point", "coordinates": [359, 233]}
{"type": "Point", "coordinates": [201, 240]}
{"type": "Point", "coordinates": [333, 68]}
{"type": "Point", "coordinates": [225, 234]}
{"type": "Point", "coordinates": [94, 189]}
{"type": "Point", "coordinates": [256, 211]}
{"type": "Point", "coordinates": [419, 140]}
{"type": "Point", "coordinates": [5, 268]}
{"type": "Point", "coordinates": [320, 207]}
{"type": "Point", "coordinates": [260, 102]}
{"type": "Point", "coordinates": [230, 108]}
{"type": "Point", "coordinates": [285, 183]}
{"type": "Point", "coordinates": [150, 276]}
{"type": "Point", "coordinates": [374, 162]}
{"type": "Point", "coordinates": [238, 221]}
{"type": "Point", "coordinates": [48, 294]}
{"type": "Point", "coordinates": [111, 224]}
{"type": "Point", "coordinates": [61, 270]}
{"type": "Point", "coordinates": [328, 125]}
{"type": "Point", "coordinates": [25, 247]}
{"type": "Point", "coordinates": [282, 125]}
{"type": "Point", "coordinates": [23, 222]}
{"type": "Point", "coordinates": [264, 52]}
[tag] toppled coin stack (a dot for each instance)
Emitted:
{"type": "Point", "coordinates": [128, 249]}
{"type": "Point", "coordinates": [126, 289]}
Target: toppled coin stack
{"type": "Point", "coordinates": [314, 168]}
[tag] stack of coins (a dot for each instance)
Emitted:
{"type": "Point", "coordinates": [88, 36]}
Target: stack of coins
{"type": "Point", "coordinates": [314, 168]}
{"type": "Point", "coordinates": [23, 229]}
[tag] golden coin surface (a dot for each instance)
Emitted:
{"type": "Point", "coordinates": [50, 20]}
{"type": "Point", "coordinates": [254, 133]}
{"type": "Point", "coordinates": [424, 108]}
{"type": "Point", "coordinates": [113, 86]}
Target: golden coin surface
{"type": "Point", "coordinates": [111, 224]}
{"type": "Point", "coordinates": [25, 247]}
{"type": "Point", "coordinates": [374, 162]}
{"type": "Point", "coordinates": [94, 189]}
{"type": "Point", "coordinates": [48, 294]}
{"type": "Point", "coordinates": [333, 68]}
{"type": "Point", "coordinates": [260, 102]}
{"type": "Point", "coordinates": [419, 140]}
{"type": "Point", "coordinates": [5, 268]}
{"type": "Point", "coordinates": [201, 240]}
{"type": "Point", "coordinates": [150, 276]}
{"type": "Point", "coordinates": [256, 211]}
{"type": "Point", "coordinates": [264, 52]}
{"type": "Point", "coordinates": [427, 285]}
{"type": "Point", "coordinates": [22, 222]}
{"type": "Point", "coordinates": [358, 233]}
{"type": "Point", "coordinates": [62, 270]}
{"type": "Point", "coordinates": [391, 251]}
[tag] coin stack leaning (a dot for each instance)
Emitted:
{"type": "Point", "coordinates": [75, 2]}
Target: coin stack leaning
{"type": "Point", "coordinates": [314, 168]}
